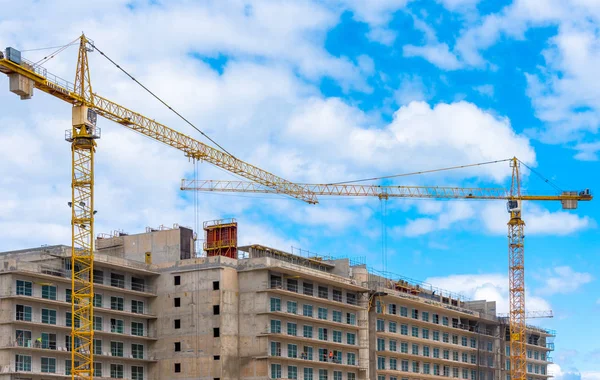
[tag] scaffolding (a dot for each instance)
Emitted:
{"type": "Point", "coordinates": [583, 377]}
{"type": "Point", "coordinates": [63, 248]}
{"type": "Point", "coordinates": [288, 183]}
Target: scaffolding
{"type": "Point", "coordinates": [221, 238]}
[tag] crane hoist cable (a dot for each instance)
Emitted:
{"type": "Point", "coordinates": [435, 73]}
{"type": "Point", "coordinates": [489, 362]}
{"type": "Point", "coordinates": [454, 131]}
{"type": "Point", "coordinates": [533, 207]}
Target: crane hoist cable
{"type": "Point", "coordinates": [159, 99]}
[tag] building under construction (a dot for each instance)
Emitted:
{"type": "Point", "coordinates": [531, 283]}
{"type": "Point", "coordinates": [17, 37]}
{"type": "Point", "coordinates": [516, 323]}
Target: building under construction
{"type": "Point", "coordinates": [164, 311]}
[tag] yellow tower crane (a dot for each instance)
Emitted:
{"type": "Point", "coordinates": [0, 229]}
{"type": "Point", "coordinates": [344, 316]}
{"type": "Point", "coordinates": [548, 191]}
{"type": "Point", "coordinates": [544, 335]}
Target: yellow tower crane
{"type": "Point", "coordinates": [516, 225]}
{"type": "Point", "coordinates": [24, 76]}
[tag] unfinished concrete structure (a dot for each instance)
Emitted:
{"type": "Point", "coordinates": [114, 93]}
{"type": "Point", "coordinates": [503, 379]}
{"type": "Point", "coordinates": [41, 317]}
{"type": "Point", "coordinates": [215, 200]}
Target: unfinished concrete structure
{"type": "Point", "coordinates": [163, 312]}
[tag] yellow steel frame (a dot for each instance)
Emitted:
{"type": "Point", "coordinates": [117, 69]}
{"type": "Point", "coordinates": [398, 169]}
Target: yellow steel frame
{"type": "Point", "coordinates": [516, 233]}
{"type": "Point", "coordinates": [83, 147]}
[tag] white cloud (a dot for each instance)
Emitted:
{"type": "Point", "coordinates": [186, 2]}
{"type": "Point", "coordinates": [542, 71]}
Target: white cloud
{"type": "Point", "coordinates": [538, 220]}
{"type": "Point", "coordinates": [587, 151]}
{"type": "Point", "coordinates": [563, 280]}
{"type": "Point", "coordinates": [485, 89]}
{"type": "Point", "coordinates": [411, 89]}
{"type": "Point", "coordinates": [438, 54]}
{"type": "Point", "coordinates": [490, 287]}
{"type": "Point", "coordinates": [459, 5]}
{"type": "Point", "coordinates": [452, 213]}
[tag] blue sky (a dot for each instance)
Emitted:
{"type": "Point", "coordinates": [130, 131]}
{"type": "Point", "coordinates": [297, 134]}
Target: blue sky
{"type": "Point", "coordinates": [327, 91]}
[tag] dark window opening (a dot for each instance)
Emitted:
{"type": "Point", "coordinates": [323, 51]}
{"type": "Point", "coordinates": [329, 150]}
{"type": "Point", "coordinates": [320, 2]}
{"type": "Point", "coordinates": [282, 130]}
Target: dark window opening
{"type": "Point", "coordinates": [177, 346]}
{"type": "Point", "coordinates": [215, 285]}
{"type": "Point", "coordinates": [216, 332]}
{"type": "Point", "coordinates": [177, 367]}
{"type": "Point", "coordinates": [216, 309]}
{"type": "Point", "coordinates": [177, 280]}
{"type": "Point", "coordinates": [177, 302]}
{"type": "Point", "coordinates": [217, 357]}
{"type": "Point", "coordinates": [177, 323]}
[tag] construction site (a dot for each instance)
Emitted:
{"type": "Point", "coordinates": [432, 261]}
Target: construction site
{"type": "Point", "coordinates": [156, 305]}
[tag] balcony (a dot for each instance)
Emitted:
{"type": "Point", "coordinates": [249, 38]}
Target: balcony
{"type": "Point", "coordinates": [279, 290]}
{"type": "Point", "coordinates": [313, 341]}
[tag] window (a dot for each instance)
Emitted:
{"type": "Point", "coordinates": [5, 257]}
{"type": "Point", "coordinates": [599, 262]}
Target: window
{"type": "Point", "coordinates": [116, 370]}
{"type": "Point", "coordinates": [216, 285]}
{"type": "Point", "coordinates": [69, 320]}
{"type": "Point", "coordinates": [138, 284]}
{"type": "Point", "coordinates": [392, 309]}
{"type": "Point", "coordinates": [68, 295]}
{"type": "Point", "coordinates": [337, 295]}
{"type": "Point", "coordinates": [48, 365]}
{"type": "Point", "coordinates": [380, 344]}
{"type": "Point", "coordinates": [308, 374]}
{"type": "Point", "coordinates": [337, 316]}
{"type": "Point", "coordinates": [337, 375]}
{"type": "Point", "coordinates": [445, 321]}
{"type": "Point", "coordinates": [436, 352]}
{"type": "Point", "coordinates": [404, 365]}
{"type": "Point", "coordinates": [177, 302]}
{"type": "Point", "coordinates": [415, 349]}
{"type": "Point", "coordinates": [292, 350]}
{"type": "Point", "coordinates": [337, 336]}
{"type": "Point", "coordinates": [445, 338]}
{"type": "Point", "coordinates": [307, 310]}
{"type": "Point", "coordinates": [465, 357]}
{"type": "Point", "coordinates": [322, 354]}
{"type": "Point", "coordinates": [426, 369]}
{"type": "Point", "coordinates": [426, 351]}
{"type": "Point", "coordinates": [322, 333]}
{"type": "Point", "coordinates": [351, 358]}
{"type": "Point", "coordinates": [436, 336]}
{"type": "Point", "coordinates": [490, 346]}
{"type": "Point", "coordinates": [415, 367]}
{"type": "Point", "coordinates": [137, 372]}
{"type": "Point", "coordinates": [404, 329]}
{"type": "Point", "coordinates": [351, 376]}
{"type": "Point", "coordinates": [392, 327]}
{"type": "Point", "coordinates": [307, 289]}
{"type": "Point", "coordinates": [275, 304]}
{"type": "Point", "coordinates": [23, 313]}
{"type": "Point", "coordinates": [323, 292]}
{"type": "Point", "coordinates": [137, 307]}
{"type": "Point", "coordinates": [23, 338]}
{"type": "Point", "coordinates": [216, 332]}
{"type": "Point", "coordinates": [322, 313]}
{"type": "Point", "coordinates": [275, 349]}
{"type": "Point", "coordinates": [403, 311]}
{"type": "Point", "coordinates": [275, 371]}
{"type": "Point", "coordinates": [24, 288]}
{"type": "Point", "coordinates": [425, 316]}
{"type": "Point", "coordinates": [404, 347]}
{"type": "Point", "coordinates": [435, 318]}
{"type": "Point", "coordinates": [68, 366]}
{"type": "Point", "coordinates": [116, 303]}
{"type": "Point", "coordinates": [455, 372]}
{"type": "Point", "coordinates": [380, 325]}
{"type": "Point", "coordinates": [350, 338]}
{"type": "Point", "coordinates": [97, 323]}
{"type": "Point", "coordinates": [98, 276]}
{"type": "Point", "coordinates": [116, 349]}
{"type": "Point", "coordinates": [216, 309]}
{"type": "Point", "coordinates": [97, 300]}
{"type": "Point", "coordinates": [48, 316]}
{"type": "Point", "coordinates": [436, 369]}
{"type": "Point", "coordinates": [454, 339]}
{"type": "Point", "coordinates": [177, 346]}
{"type": "Point", "coordinates": [97, 347]}
{"type": "Point", "coordinates": [275, 327]}
{"type": "Point", "coordinates": [415, 331]}
{"type": "Point", "coordinates": [415, 314]}
{"type": "Point", "coordinates": [464, 341]}
{"type": "Point", "coordinates": [49, 341]}
{"type": "Point", "coordinates": [292, 307]}
{"type": "Point", "coordinates": [392, 345]}
{"type": "Point", "coordinates": [473, 343]}
{"type": "Point", "coordinates": [474, 360]}
{"type": "Point", "coordinates": [116, 326]}
{"type": "Point", "coordinates": [322, 374]}
{"type": "Point", "coordinates": [97, 369]}
{"type": "Point", "coordinates": [446, 354]}
{"type": "Point", "coordinates": [49, 292]}
{"type": "Point", "coordinates": [351, 298]}
{"type": "Point", "coordinates": [177, 280]}
{"type": "Point", "coordinates": [425, 333]}
{"type": "Point", "coordinates": [292, 329]}
{"type": "Point", "coordinates": [307, 331]}
{"type": "Point", "coordinates": [137, 328]}
{"type": "Point", "coordinates": [292, 372]}
{"type": "Point", "coordinates": [380, 362]}
{"type": "Point", "coordinates": [455, 356]}
{"type": "Point", "coordinates": [117, 280]}
{"type": "Point", "coordinates": [351, 318]}
{"type": "Point", "coordinates": [308, 351]}
{"type": "Point", "coordinates": [137, 351]}
{"type": "Point", "coordinates": [378, 307]}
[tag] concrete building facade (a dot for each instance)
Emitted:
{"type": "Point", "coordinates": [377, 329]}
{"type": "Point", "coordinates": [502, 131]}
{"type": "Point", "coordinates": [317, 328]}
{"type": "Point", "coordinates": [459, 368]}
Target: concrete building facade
{"type": "Point", "coordinates": [164, 313]}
